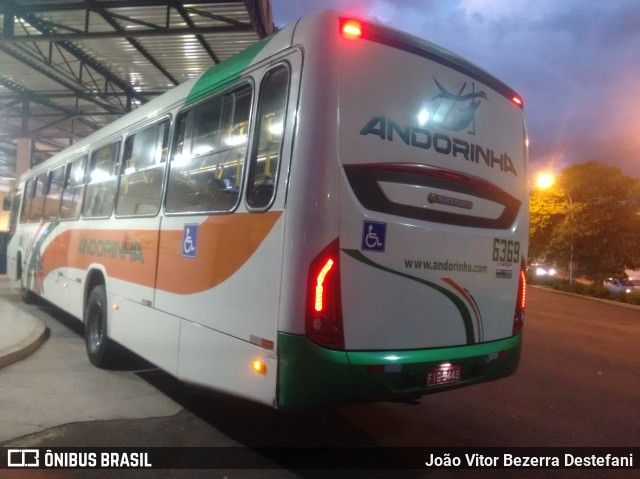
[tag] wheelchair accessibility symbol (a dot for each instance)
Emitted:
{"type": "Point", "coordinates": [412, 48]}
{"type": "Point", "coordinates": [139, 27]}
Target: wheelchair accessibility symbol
{"type": "Point", "coordinates": [189, 240]}
{"type": "Point", "coordinates": [373, 236]}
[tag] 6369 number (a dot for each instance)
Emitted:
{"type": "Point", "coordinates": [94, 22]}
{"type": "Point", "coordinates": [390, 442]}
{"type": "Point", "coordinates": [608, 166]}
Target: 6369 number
{"type": "Point", "coordinates": [506, 251]}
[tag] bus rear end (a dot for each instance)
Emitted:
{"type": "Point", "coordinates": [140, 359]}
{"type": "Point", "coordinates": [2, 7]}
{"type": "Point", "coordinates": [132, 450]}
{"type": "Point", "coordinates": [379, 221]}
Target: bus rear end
{"type": "Point", "coordinates": [421, 288]}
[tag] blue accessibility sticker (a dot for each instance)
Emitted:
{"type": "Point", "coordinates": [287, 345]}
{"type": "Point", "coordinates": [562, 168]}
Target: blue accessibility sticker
{"type": "Point", "coordinates": [374, 236]}
{"type": "Point", "coordinates": [190, 240]}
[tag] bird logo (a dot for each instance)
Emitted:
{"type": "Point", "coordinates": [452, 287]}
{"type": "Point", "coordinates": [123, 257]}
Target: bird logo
{"type": "Point", "coordinates": [455, 112]}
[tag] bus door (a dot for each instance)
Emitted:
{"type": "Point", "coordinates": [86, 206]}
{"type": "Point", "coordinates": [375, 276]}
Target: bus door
{"type": "Point", "coordinates": [127, 245]}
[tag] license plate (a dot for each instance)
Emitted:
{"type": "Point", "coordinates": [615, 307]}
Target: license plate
{"type": "Point", "coordinates": [444, 374]}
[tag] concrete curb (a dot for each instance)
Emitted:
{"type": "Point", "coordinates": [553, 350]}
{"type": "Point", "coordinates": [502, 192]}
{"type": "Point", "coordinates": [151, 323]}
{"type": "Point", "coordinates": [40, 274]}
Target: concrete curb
{"type": "Point", "coordinates": [25, 346]}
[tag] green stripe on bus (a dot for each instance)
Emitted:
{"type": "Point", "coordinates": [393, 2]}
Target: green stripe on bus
{"type": "Point", "coordinates": [312, 376]}
{"type": "Point", "coordinates": [225, 72]}
{"type": "Point", "coordinates": [458, 303]}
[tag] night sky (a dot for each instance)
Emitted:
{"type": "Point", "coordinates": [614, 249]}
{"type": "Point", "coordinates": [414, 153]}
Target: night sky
{"type": "Point", "coordinates": [576, 63]}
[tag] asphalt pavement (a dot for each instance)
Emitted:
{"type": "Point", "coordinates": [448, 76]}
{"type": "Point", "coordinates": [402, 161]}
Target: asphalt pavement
{"type": "Point", "coordinates": [47, 381]}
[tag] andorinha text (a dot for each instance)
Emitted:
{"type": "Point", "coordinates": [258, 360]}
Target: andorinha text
{"type": "Point", "coordinates": [439, 142]}
{"type": "Point", "coordinates": [111, 249]}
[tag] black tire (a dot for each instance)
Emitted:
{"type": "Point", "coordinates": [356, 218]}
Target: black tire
{"type": "Point", "coordinates": [28, 296]}
{"type": "Point", "coordinates": [100, 349]}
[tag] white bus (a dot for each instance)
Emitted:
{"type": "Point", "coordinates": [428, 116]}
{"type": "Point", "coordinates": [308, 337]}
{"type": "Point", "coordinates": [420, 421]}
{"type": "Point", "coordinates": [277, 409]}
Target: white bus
{"type": "Point", "coordinates": [339, 214]}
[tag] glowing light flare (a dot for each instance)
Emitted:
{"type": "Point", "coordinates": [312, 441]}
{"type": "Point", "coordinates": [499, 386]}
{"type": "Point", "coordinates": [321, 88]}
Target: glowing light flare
{"type": "Point", "coordinates": [352, 29]}
{"type": "Point", "coordinates": [423, 116]}
{"type": "Point", "coordinates": [235, 140]}
{"type": "Point", "coordinates": [545, 180]}
{"type": "Point", "coordinates": [78, 175]}
{"type": "Point", "coordinates": [259, 367]}
{"type": "Point", "coordinates": [276, 128]}
{"type": "Point", "coordinates": [98, 175]}
{"type": "Point", "coordinates": [319, 303]}
{"type": "Point", "coordinates": [517, 100]}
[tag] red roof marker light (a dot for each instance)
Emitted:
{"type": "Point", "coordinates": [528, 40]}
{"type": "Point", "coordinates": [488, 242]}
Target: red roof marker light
{"type": "Point", "coordinates": [351, 29]}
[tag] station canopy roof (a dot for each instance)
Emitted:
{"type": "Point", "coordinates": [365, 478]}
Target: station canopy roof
{"type": "Point", "coordinates": [69, 67]}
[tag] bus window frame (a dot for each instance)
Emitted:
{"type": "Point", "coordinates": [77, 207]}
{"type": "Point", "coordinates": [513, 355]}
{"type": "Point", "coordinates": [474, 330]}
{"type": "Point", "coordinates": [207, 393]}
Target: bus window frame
{"type": "Point", "coordinates": [186, 141]}
{"type": "Point", "coordinates": [48, 197]}
{"type": "Point", "coordinates": [36, 217]}
{"type": "Point", "coordinates": [26, 200]}
{"type": "Point", "coordinates": [68, 166]}
{"type": "Point", "coordinates": [255, 140]}
{"type": "Point", "coordinates": [170, 130]}
{"type": "Point", "coordinates": [90, 166]}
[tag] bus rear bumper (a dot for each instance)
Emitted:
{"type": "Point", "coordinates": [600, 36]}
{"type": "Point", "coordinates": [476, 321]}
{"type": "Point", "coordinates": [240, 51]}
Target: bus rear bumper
{"type": "Point", "coordinates": [313, 376]}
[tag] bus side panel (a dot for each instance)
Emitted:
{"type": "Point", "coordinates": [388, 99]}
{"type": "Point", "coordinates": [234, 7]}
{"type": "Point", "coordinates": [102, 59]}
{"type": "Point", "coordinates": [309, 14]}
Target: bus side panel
{"type": "Point", "coordinates": [226, 296]}
{"type": "Point", "coordinates": [223, 362]}
{"type": "Point", "coordinates": [222, 275]}
{"type": "Point", "coordinates": [54, 287]}
{"type": "Point", "coordinates": [150, 333]}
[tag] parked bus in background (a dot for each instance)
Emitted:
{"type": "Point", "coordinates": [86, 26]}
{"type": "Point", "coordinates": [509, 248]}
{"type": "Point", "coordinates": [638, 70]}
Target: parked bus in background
{"type": "Point", "coordinates": [338, 214]}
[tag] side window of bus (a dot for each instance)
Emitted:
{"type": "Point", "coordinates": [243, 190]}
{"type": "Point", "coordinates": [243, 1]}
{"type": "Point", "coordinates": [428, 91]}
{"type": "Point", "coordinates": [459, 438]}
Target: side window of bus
{"type": "Point", "coordinates": [13, 218]}
{"type": "Point", "coordinates": [144, 157]}
{"type": "Point", "coordinates": [209, 154]}
{"type": "Point", "coordinates": [101, 176]}
{"type": "Point", "coordinates": [267, 146]}
{"type": "Point", "coordinates": [28, 197]}
{"type": "Point", "coordinates": [73, 188]}
{"type": "Point", "coordinates": [54, 187]}
{"type": "Point", "coordinates": [37, 203]}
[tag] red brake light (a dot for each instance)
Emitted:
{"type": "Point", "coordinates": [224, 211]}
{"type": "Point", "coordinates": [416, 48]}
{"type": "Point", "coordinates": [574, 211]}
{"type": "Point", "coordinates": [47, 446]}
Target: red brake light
{"type": "Point", "coordinates": [323, 322]}
{"type": "Point", "coordinates": [517, 100]}
{"type": "Point", "coordinates": [319, 304]}
{"type": "Point", "coordinates": [351, 29]}
{"type": "Point", "coordinates": [523, 279]}
{"type": "Point", "coordinates": [518, 317]}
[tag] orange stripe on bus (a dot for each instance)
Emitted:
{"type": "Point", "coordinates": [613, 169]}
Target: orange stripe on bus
{"type": "Point", "coordinates": [224, 244]}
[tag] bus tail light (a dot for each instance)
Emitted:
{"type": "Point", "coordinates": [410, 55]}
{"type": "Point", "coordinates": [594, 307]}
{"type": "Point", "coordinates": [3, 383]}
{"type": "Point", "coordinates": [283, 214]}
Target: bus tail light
{"type": "Point", "coordinates": [518, 318]}
{"type": "Point", "coordinates": [351, 28]}
{"type": "Point", "coordinates": [323, 323]}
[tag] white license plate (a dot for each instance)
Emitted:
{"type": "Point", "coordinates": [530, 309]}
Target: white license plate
{"type": "Point", "coordinates": [444, 374]}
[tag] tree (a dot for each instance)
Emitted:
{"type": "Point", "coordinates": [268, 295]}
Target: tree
{"type": "Point", "coordinates": [547, 208]}
{"type": "Point", "coordinates": [594, 213]}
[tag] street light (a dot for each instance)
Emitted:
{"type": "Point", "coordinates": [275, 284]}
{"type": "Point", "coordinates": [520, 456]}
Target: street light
{"type": "Point", "coordinates": [545, 181]}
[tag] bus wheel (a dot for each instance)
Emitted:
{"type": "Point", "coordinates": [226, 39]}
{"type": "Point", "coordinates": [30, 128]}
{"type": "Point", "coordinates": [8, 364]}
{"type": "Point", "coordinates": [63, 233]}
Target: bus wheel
{"type": "Point", "coordinates": [100, 348]}
{"type": "Point", "coordinates": [28, 296]}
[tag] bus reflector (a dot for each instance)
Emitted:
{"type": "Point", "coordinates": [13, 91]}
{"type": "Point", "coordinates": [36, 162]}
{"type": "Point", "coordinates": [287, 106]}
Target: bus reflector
{"type": "Point", "coordinates": [259, 367]}
{"type": "Point", "coordinates": [352, 29]}
{"type": "Point", "coordinates": [323, 322]}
